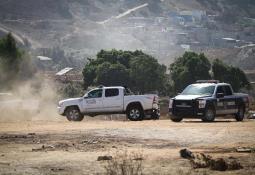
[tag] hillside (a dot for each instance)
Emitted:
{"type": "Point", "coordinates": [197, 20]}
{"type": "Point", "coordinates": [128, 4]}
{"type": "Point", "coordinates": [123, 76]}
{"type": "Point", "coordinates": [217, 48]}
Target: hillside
{"type": "Point", "coordinates": [163, 28]}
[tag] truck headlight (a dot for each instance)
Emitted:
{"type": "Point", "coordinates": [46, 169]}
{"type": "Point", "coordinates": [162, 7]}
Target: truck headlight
{"type": "Point", "coordinates": [60, 104]}
{"type": "Point", "coordinates": [201, 104]}
{"type": "Point", "coordinates": [171, 103]}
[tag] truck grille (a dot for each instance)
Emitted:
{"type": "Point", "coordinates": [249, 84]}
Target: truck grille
{"type": "Point", "coordinates": [184, 107]}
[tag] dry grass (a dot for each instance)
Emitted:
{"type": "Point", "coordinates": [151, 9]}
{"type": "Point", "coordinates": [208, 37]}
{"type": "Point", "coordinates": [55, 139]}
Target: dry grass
{"type": "Point", "coordinates": [125, 163]}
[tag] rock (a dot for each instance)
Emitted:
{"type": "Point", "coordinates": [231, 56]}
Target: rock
{"type": "Point", "coordinates": [5, 163]}
{"type": "Point", "coordinates": [219, 164]}
{"type": "Point", "coordinates": [100, 158]}
{"type": "Point", "coordinates": [31, 134]}
{"type": "Point", "coordinates": [37, 149]}
{"type": "Point", "coordinates": [234, 165]}
{"type": "Point", "coordinates": [201, 161]}
{"type": "Point", "coordinates": [138, 159]}
{"type": "Point", "coordinates": [198, 164]}
{"type": "Point", "coordinates": [56, 169]}
{"type": "Point", "coordinates": [186, 154]}
{"type": "Point", "coordinates": [244, 150]}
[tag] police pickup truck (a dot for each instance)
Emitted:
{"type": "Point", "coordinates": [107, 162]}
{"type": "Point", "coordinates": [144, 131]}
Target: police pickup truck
{"type": "Point", "coordinates": [207, 99]}
{"type": "Point", "coordinates": [110, 100]}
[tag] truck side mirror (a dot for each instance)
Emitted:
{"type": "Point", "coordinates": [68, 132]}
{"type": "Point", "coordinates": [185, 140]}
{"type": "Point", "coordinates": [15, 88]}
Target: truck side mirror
{"type": "Point", "coordinates": [220, 95]}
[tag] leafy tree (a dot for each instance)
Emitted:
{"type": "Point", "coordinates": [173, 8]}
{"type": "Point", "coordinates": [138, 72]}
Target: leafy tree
{"type": "Point", "coordinates": [189, 68]}
{"type": "Point", "coordinates": [15, 65]}
{"type": "Point", "coordinates": [229, 74]}
{"type": "Point", "coordinates": [147, 74]}
{"type": "Point", "coordinates": [112, 74]}
{"type": "Point", "coordinates": [136, 69]}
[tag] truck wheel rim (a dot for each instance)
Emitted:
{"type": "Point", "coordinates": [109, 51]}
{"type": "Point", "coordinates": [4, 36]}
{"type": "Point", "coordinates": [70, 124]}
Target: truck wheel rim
{"type": "Point", "coordinates": [134, 113]}
{"type": "Point", "coordinates": [209, 114]}
{"type": "Point", "coordinates": [74, 114]}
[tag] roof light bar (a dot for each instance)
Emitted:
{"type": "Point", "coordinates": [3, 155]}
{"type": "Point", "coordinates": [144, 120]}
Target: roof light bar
{"type": "Point", "coordinates": [208, 81]}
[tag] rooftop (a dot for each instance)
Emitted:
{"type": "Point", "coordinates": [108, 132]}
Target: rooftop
{"type": "Point", "coordinates": [64, 71]}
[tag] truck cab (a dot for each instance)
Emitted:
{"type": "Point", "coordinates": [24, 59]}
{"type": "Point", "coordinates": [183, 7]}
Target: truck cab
{"type": "Point", "coordinates": [206, 100]}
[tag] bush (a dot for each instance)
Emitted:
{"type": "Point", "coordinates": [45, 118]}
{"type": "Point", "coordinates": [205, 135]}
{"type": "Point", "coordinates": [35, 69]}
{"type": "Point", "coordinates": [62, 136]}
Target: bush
{"type": "Point", "coordinates": [125, 163]}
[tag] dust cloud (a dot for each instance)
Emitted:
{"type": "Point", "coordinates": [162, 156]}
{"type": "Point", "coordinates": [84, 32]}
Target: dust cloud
{"type": "Point", "coordinates": [35, 99]}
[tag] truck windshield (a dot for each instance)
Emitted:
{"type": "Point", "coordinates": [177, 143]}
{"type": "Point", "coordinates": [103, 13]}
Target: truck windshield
{"type": "Point", "coordinates": [198, 90]}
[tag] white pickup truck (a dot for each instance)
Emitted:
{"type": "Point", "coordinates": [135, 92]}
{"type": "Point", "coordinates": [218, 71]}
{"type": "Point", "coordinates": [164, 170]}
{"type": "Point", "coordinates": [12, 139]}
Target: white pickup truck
{"type": "Point", "coordinates": [110, 100]}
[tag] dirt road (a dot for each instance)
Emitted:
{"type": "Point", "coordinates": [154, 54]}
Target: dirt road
{"type": "Point", "coordinates": [61, 147]}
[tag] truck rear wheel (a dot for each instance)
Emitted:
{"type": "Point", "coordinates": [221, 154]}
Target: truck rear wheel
{"type": "Point", "coordinates": [135, 113]}
{"type": "Point", "coordinates": [176, 118]}
{"type": "Point", "coordinates": [209, 115]}
{"type": "Point", "coordinates": [73, 114]}
{"type": "Point", "coordinates": [240, 114]}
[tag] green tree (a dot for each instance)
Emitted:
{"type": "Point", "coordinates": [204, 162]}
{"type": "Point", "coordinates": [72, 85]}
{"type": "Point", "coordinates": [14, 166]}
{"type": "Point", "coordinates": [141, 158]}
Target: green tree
{"type": "Point", "coordinates": [136, 69]}
{"type": "Point", "coordinates": [89, 73]}
{"type": "Point", "coordinates": [147, 74]}
{"type": "Point", "coordinates": [10, 58]}
{"type": "Point", "coordinates": [189, 68]}
{"type": "Point", "coordinates": [229, 74]}
{"type": "Point", "coordinates": [112, 74]}
{"type": "Point", "coordinates": [15, 65]}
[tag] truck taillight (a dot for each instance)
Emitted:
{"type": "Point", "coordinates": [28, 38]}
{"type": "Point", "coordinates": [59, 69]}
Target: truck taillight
{"type": "Point", "coordinates": [154, 100]}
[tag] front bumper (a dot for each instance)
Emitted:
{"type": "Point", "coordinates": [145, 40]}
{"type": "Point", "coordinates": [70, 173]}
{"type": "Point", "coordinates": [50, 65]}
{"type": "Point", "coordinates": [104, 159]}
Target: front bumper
{"type": "Point", "coordinates": [187, 113]}
{"type": "Point", "coordinates": [61, 110]}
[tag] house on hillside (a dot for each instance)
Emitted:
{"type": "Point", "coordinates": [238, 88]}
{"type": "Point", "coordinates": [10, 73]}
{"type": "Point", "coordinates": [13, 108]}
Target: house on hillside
{"type": "Point", "coordinates": [69, 74]}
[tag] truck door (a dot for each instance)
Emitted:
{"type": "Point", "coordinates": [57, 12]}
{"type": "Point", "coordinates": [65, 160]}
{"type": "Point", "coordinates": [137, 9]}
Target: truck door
{"type": "Point", "coordinates": [93, 102]}
{"type": "Point", "coordinates": [230, 101]}
{"type": "Point", "coordinates": [113, 100]}
{"type": "Point", "coordinates": [220, 104]}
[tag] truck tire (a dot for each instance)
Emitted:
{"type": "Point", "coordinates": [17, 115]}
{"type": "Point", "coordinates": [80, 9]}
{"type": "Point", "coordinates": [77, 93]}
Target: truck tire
{"type": "Point", "coordinates": [240, 114]}
{"type": "Point", "coordinates": [135, 113]}
{"type": "Point", "coordinates": [209, 115]}
{"type": "Point", "coordinates": [176, 118]}
{"type": "Point", "coordinates": [73, 114]}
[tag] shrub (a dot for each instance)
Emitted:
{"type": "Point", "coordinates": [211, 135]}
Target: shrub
{"type": "Point", "coordinates": [125, 163]}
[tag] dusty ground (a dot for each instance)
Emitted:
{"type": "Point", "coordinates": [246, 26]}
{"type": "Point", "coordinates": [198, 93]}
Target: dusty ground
{"type": "Point", "coordinates": [62, 147]}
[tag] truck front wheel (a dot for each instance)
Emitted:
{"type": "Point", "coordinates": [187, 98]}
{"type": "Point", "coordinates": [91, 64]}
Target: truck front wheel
{"type": "Point", "coordinates": [240, 114]}
{"type": "Point", "coordinates": [73, 114]}
{"type": "Point", "coordinates": [135, 113]}
{"type": "Point", "coordinates": [176, 118]}
{"type": "Point", "coordinates": [209, 115]}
